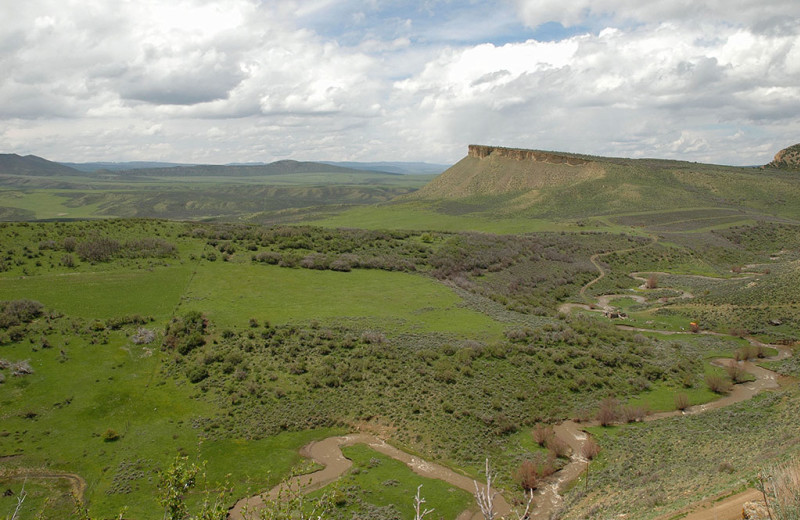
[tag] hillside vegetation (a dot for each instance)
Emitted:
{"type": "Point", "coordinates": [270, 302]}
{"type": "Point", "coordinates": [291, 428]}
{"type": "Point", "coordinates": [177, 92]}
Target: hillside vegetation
{"type": "Point", "coordinates": [465, 320]}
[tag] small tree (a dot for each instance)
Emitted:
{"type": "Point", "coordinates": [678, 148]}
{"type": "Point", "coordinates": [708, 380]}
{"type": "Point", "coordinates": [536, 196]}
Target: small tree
{"type": "Point", "coordinates": [557, 446]}
{"type": "Point", "coordinates": [176, 481]}
{"type": "Point", "coordinates": [608, 412]}
{"type": "Point", "coordinates": [590, 449]}
{"type": "Point", "coordinates": [527, 476]}
{"type": "Point", "coordinates": [652, 282]}
{"type": "Point", "coordinates": [735, 372]}
{"type": "Point", "coordinates": [718, 383]}
{"type": "Point", "coordinates": [541, 432]}
{"type": "Point", "coordinates": [681, 401]}
{"type": "Point", "coordinates": [20, 499]}
{"type": "Point", "coordinates": [484, 496]}
{"type": "Point", "coordinates": [110, 435]}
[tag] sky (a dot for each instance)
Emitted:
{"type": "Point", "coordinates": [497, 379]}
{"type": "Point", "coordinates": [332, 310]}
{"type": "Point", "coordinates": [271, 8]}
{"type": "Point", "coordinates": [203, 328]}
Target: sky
{"type": "Point", "coordinates": [219, 81]}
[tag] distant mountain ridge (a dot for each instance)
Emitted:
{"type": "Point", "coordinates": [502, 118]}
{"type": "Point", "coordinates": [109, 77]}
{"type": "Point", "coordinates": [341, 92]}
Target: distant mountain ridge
{"type": "Point", "coordinates": [283, 167]}
{"type": "Point", "coordinates": [14, 164]}
{"type": "Point", "coordinates": [31, 165]}
{"type": "Point", "coordinates": [90, 167]}
{"type": "Point", "coordinates": [394, 166]}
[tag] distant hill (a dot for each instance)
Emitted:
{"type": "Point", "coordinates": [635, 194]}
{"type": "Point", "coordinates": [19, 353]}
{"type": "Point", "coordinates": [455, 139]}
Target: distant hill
{"type": "Point", "coordinates": [121, 166]}
{"type": "Point", "coordinates": [13, 164]}
{"type": "Point", "coordinates": [406, 168]}
{"type": "Point", "coordinates": [495, 180]}
{"type": "Point", "coordinates": [276, 168]}
{"type": "Point", "coordinates": [787, 159]}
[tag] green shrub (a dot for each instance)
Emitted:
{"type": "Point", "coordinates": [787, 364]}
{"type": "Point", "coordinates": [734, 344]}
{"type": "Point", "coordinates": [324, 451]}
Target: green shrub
{"type": "Point", "coordinates": [98, 249]}
{"type": "Point", "coordinates": [196, 373]}
{"type": "Point", "coordinates": [110, 435]}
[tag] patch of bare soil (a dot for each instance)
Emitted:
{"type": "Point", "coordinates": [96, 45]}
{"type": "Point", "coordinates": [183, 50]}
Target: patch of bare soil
{"type": "Point", "coordinates": [76, 482]}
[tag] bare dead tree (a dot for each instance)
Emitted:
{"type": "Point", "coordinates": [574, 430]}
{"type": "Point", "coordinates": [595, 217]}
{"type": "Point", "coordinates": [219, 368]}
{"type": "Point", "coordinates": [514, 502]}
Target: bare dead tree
{"type": "Point", "coordinates": [419, 512]}
{"type": "Point", "coordinates": [484, 496]}
{"type": "Point", "coordinates": [20, 499]}
{"type": "Point", "coordinates": [527, 513]}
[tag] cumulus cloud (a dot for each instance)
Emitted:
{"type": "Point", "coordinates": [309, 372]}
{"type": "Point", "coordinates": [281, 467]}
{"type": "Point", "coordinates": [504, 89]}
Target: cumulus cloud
{"type": "Point", "coordinates": [673, 89]}
{"type": "Point", "coordinates": [243, 80]}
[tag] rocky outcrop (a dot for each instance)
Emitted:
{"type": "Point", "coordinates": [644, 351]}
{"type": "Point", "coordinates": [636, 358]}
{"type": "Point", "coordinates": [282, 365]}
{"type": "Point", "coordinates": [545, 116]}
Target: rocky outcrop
{"type": "Point", "coordinates": [520, 154]}
{"type": "Point", "coordinates": [755, 511]}
{"type": "Point", "coordinates": [787, 159]}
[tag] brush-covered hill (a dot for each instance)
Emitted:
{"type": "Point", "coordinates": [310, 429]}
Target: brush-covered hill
{"type": "Point", "coordinates": [555, 185]}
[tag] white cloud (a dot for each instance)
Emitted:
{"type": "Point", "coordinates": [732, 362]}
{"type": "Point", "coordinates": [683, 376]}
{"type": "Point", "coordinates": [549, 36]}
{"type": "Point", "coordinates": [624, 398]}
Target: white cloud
{"type": "Point", "coordinates": [244, 80]}
{"type": "Point", "coordinates": [590, 91]}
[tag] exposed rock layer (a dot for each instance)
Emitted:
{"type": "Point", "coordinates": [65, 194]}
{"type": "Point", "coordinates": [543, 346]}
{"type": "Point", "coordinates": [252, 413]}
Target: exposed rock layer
{"type": "Point", "coordinates": [519, 154]}
{"type": "Point", "coordinates": [787, 159]}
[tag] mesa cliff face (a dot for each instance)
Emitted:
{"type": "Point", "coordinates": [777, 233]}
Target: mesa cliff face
{"type": "Point", "coordinates": [787, 159]}
{"type": "Point", "coordinates": [520, 154]}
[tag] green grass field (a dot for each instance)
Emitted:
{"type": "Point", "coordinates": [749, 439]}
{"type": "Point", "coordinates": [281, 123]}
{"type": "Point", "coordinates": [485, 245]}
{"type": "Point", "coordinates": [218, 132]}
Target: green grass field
{"type": "Point", "coordinates": [152, 292]}
{"type": "Point", "coordinates": [232, 293]}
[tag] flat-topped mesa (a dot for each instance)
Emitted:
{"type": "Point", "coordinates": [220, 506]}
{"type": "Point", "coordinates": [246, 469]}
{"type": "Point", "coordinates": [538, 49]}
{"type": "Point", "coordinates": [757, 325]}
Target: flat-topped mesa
{"type": "Point", "coordinates": [520, 154]}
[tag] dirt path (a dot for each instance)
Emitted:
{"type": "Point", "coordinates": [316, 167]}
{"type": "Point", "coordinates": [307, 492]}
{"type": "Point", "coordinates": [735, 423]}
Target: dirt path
{"type": "Point", "coordinates": [594, 260]}
{"type": "Point", "coordinates": [76, 483]}
{"type": "Point", "coordinates": [328, 453]}
{"type": "Point", "coordinates": [729, 508]}
{"type": "Point", "coordinates": [549, 496]}
{"type": "Point", "coordinates": [603, 303]}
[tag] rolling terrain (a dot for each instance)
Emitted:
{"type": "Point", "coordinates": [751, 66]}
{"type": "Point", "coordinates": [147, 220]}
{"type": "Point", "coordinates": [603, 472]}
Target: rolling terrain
{"type": "Point", "coordinates": [498, 189]}
{"type": "Point", "coordinates": [517, 307]}
{"type": "Point", "coordinates": [32, 188]}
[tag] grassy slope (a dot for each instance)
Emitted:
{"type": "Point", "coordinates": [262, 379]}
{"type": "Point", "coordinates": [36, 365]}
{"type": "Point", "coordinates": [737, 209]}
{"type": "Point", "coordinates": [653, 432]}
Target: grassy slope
{"type": "Point", "coordinates": [233, 292]}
